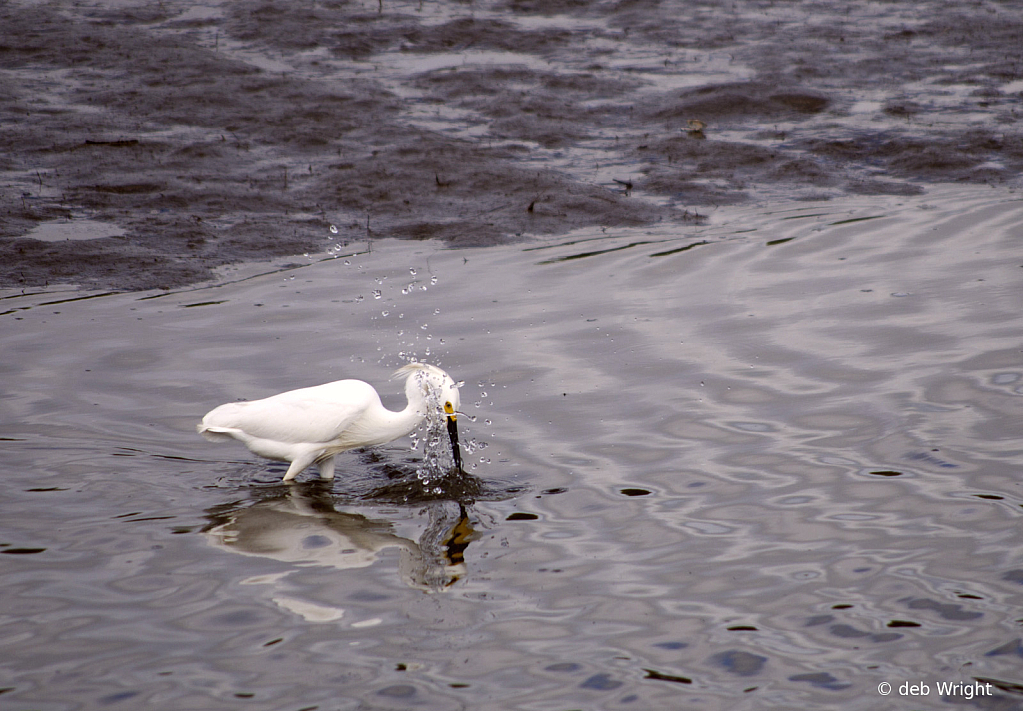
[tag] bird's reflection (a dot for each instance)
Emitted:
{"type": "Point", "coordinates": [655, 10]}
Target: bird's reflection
{"type": "Point", "coordinates": [300, 525]}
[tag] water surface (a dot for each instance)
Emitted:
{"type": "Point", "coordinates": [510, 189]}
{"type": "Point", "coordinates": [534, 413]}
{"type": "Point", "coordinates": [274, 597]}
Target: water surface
{"type": "Point", "coordinates": [771, 461]}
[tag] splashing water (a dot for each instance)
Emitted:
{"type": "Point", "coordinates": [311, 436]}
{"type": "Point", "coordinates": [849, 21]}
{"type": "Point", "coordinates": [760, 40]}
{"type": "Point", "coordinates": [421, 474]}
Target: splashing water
{"type": "Point", "coordinates": [438, 459]}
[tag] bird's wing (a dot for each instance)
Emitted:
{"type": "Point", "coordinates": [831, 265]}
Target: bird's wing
{"type": "Point", "coordinates": [310, 415]}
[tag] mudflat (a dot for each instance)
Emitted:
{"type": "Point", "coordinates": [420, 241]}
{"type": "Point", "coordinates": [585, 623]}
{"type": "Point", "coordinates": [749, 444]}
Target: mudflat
{"type": "Point", "coordinates": [144, 145]}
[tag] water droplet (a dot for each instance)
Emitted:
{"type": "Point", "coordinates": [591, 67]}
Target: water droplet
{"type": "Point", "coordinates": [436, 311]}
{"type": "Point", "coordinates": [333, 229]}
{"type": "Point", "coordinates": [384, 313]}
{"type": "Point", "coordinates": [377, 294]}
{"type": "Point", "coordinates": [424, 326]}
{"type": "Point", "coordinates": [433, 280]}
{"type": "Point", "coordinates": [347, 263]}
{"type": "Point", "coordinates": [412, 271]}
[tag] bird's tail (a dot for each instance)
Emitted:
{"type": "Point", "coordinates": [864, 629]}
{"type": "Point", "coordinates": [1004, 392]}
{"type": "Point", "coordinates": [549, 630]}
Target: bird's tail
{"type": "Point", "coordinates": [214, 434]}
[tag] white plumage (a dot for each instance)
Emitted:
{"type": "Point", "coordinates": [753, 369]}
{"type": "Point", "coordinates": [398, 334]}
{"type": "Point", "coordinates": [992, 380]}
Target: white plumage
{"type": "Point", "coordinates": [311, 425]}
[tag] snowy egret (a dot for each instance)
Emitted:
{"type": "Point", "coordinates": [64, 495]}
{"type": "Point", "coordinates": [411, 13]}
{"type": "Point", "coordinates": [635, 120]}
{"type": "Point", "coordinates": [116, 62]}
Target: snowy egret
{"type": "Point", "coordinates": [311, 425]}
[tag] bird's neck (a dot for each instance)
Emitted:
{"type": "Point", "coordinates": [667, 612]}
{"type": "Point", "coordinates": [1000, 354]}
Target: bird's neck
{"type": "Point", "coordinates": [408, 419]}
{"type": "Point", "coordinates": [389, 425]}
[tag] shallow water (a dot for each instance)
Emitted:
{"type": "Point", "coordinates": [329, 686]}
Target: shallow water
{"type": "Point", "coordinates": [767, 462]}
{"type": "Point", "coordinates": [64, 230]}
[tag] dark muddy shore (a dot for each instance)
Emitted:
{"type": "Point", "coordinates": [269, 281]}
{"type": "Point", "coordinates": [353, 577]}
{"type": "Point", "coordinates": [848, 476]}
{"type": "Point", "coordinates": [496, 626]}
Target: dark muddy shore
{"type": "Point", "coordinates": [219, 132]}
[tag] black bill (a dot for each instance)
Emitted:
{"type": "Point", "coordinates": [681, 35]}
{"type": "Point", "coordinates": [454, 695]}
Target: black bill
{"type": "Point", "coordinates": [456, 451]}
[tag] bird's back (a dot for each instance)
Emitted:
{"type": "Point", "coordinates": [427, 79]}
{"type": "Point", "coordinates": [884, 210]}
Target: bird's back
{"type": "Point", "coordinates": [318, 414]}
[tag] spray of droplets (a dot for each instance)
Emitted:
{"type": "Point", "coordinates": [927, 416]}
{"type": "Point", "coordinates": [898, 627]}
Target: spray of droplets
{"type": "Point", "coordinates": [418, 342]}
{"type": "Point", "coordinates": [334, 249]}
{"type": "Point", "coordinates": [415, 343]}
{"type": "Point", "coordinates": [432, 434]}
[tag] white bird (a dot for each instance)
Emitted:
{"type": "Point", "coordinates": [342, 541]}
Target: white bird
{"type": "Point", "coordinates": [311, 425]}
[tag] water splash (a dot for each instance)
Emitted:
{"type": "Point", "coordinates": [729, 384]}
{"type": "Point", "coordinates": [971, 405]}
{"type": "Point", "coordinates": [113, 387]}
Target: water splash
{"type": "Point", "coordinates": [438, 459]}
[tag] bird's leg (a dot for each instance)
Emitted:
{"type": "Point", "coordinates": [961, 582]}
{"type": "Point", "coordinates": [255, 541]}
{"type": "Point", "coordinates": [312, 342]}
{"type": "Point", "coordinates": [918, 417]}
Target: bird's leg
{"type": "Point", "coordinates": [326, 467]}
{"type": "Point", "coordinates": [298, 464]}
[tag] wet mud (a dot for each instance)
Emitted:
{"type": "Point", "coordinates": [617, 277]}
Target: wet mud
{"type": "Point", "coordinates": [227, 131]}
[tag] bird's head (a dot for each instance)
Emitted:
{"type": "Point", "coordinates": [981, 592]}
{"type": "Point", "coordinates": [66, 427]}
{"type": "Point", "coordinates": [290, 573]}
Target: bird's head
{"type": "Point", "coordinates": [425, 381]}
{"type": "Point", "coordinates": [431, 386]}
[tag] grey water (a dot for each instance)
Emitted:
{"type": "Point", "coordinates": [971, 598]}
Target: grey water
{"type": "Point", "coordinates": [770, 461]}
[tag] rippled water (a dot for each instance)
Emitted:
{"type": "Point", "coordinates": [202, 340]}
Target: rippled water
{"type": "Point", "coordinates": [768, 462]}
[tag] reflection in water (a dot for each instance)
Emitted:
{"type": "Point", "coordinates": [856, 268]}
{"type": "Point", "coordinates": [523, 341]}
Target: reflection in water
{"type": "Point", "coordinates": [300, 525]}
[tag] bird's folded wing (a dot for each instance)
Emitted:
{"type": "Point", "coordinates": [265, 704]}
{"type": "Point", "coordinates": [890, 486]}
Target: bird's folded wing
{"type": "Point", "coordinates": [287, 420]}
